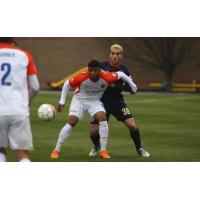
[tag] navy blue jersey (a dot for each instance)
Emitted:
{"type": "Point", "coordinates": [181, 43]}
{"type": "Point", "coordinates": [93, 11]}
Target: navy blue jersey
{"type": "Point", "coordinates": [112, 95]}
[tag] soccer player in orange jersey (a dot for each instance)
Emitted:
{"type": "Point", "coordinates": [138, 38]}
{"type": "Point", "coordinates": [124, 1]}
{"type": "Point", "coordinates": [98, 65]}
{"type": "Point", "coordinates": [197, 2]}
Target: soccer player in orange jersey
{"type": "Point", "coordinates": [90, 86]}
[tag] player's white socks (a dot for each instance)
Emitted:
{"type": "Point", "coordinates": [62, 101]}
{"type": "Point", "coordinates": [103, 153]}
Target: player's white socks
{"type": "Point", "coordinates": [2, 157]}
{"type": "Point", "coordinates": [25, 160]}
{"type": "Point", "coordinates": [103, 132]}
{"type": "Point", "coordinates": [64, 134]}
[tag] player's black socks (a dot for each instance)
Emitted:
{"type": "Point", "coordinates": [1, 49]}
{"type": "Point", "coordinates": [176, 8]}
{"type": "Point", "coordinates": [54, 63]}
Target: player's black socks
{"type": "Point", "coordinates": [95, 137]}
{"type": "Point", "coordinates": [135, 135]}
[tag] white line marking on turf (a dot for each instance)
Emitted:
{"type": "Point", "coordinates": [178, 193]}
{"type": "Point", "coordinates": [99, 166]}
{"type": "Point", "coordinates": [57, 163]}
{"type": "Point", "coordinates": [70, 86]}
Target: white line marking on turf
{"type": "Point", "coordinates": [164, 99]}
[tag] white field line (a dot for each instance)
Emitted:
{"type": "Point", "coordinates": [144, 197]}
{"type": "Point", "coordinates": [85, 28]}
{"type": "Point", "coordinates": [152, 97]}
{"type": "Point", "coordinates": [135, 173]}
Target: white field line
{"type": "Point", "coordinates": [165, 99]}
{"type": "Point", "coordinates": [152, 100]}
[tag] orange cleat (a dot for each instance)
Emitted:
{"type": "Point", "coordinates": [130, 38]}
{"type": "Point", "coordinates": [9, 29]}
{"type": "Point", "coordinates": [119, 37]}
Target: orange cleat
{"type": "Point", "coordinates": [104, 154]}
{"type": "Point", "coordinates": [55, 154]}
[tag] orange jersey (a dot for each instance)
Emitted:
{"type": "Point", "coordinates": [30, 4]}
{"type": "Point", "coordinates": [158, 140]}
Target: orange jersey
{"type": "Point", "coordinates": [87, 89]}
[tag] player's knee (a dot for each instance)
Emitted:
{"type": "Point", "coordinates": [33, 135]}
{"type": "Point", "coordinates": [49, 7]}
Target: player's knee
{"type": "Point", "coordinates": [100, 116]}
{"type": "Point", "coordinates": [132, 127]}
{"type": "Point", "coordinates": [130, 124]}
{"type": "Point", "coordinates": [72, 121]}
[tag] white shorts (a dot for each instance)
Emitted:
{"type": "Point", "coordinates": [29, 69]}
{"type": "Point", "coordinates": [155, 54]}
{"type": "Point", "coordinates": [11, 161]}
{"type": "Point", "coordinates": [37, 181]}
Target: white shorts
{"type": "Point", "coordinates": [79, 106]}
{"type": "Point", "coordinates": [16, 131]}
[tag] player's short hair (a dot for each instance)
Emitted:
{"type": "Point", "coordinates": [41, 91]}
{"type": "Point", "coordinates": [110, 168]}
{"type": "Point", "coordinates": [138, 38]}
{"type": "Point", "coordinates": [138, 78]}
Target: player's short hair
{"type": "Point", "coordinates": [7, 39]}
{"type": "Point", "coordinates": [94, 64]}
{"type": "Point", "coordinates": [116, 46]}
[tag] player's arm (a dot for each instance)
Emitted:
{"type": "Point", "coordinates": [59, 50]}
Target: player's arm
{"type": "Point", "coordinates": [125, 86]}
{"type": "Point", "coordinates": [72, 83]}
{"type": "Point", "coordinates": [65, 90]}
{"type": "Point", "coordinates": [128, 80]}
{"type": "Point", "coordinates": [121, 86]}
{"type": "Point", "coordinates": [34, 86]}
{"type": "Point", "coordinates": [33, 82]}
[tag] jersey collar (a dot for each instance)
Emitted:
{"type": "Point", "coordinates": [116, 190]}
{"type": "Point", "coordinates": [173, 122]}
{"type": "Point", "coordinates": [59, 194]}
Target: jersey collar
{"type": "Point", "coordinates": [115, 67]}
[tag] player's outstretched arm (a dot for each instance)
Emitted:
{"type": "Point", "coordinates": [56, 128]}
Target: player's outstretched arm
{"type": "Point", "coordinates": [64, 93]}
{"type": "Point", "coordinates": [128, 80]}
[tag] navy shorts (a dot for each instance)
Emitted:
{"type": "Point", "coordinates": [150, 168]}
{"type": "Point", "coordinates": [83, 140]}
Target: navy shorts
{"type": "Point", "coordinates": [120, 111]}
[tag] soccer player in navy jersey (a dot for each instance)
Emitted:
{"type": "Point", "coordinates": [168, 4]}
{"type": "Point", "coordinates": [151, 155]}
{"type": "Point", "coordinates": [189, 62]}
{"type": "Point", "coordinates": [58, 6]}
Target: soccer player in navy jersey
{"type": "Point", "coordinates": [115, 105]}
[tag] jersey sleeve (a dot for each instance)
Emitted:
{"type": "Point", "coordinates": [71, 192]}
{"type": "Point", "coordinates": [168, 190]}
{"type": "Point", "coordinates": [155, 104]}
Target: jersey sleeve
{"type": "Point", "coordinates": [31, 70]}
{"type": "Point", "coordinates": [110, 77]}
{"type": "Point", "coordinates": [78, 79]}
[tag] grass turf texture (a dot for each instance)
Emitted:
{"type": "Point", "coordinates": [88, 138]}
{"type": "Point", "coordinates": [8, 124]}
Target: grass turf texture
{"type": "Point", "coordinates": [169, 126]}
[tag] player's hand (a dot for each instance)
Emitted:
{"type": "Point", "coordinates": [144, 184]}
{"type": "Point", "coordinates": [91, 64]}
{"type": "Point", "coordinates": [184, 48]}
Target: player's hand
{"type": "Point", "coordinates": [60, 107]}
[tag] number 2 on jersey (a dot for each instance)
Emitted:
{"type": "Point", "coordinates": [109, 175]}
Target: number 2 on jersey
{"type": "Point", "coordinates": [6, 69]}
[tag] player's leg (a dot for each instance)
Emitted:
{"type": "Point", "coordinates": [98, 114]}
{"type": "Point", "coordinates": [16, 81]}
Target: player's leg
{"type": "Point", "coordinates": [123, 113]}
{"type": "Point", "coordinates": [75, 113]}
{"type": "Point", "coordinates": [95, 137]}
{"type": "Point", "coordinates": [4, 125]}
{"type": "Point", "coordinates": [134, 132]}
{"type": "Point", "coordinates": [135, 135]}
{"type": "Point", "coordinates": [97, 110]}
{"type": "Point", "coordinates": [94, 134]}
{"type": "Point", "coordinates": [103, 132]}
{"type": "Point", "coordinates": [20, 137]}
{"type": "Point", "coordinates": [63, 135]}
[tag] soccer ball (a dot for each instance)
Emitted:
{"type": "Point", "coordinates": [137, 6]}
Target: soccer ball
{"type": "Point", "coordinates": [46, 112]}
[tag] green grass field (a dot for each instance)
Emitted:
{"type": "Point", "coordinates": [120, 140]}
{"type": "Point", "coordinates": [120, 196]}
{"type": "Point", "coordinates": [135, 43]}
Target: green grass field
{"type": "Point", "coordinates": [169, 125]}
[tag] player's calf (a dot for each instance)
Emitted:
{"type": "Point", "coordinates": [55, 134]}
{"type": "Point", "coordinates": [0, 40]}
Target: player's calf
{"type": "Point", "coordinates": [135, 135]}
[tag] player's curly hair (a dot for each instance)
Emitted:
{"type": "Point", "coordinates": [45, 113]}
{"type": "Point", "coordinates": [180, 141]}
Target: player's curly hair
{"type": "Point", "coordinates": [94, 64]}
